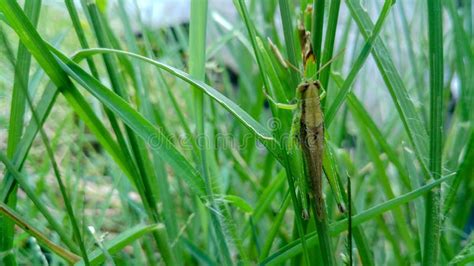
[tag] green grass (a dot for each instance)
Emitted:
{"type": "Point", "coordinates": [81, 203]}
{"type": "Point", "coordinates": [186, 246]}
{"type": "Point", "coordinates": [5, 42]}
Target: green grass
{"type": "Point", "coordinates": [124, 149]}
{"type": "Point", "coordinates": [433, 209]}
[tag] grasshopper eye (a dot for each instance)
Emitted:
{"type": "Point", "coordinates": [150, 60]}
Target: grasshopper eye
{"type": "Point", "coordinates": [317, 84]}
{"type": "Point", "coordinates": [303, 87]}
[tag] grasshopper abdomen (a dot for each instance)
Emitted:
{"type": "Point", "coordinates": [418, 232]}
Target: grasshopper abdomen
{"type": "Point", "coordinates": [312, 141]}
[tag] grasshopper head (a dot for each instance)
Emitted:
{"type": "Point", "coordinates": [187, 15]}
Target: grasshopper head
{"type": "Point", "coordinates": [307, 85]}
{"type": "Point", "coordinates": [309, 90]}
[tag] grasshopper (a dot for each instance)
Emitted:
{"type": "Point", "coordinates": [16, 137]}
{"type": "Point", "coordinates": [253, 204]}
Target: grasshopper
{"type": "Point", "coordinates": [309, 119]}
{"type": "Point", "coordinates": [307, 130]}
{"type": "Point", "coordinates": [308, 124]}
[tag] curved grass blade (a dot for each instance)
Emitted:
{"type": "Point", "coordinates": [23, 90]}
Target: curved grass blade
{"type": "Point", "coordinates": [255, 127]}
{"type": "Point", "coordinates": [153, 136]}
{"type": "Point", "coordinates": [261, 132]}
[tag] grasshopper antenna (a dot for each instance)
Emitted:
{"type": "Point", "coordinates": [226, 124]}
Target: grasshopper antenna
{"type": "Point", "coordinates": [294, 67]}
{"type": "Point", "coordinates": [283, 61]}
{"type": "Point", "coordinates": [329, 62]}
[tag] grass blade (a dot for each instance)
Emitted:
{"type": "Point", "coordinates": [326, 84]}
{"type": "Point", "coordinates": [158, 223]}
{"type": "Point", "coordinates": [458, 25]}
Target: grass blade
{"type": "Point", "coordinates": [16, 218]}
{"type": "Point", "coordinates": [15, 129]}
{"type": "Point", "coordinates": [288, 32]}
{"type": "Point", "coordinates": [255, 127]}
{"type": "Point", "coordinates": [433, 214]}
{"type": "Point", "coordinates": [317, 26]}
{"type": "Point", "coordinates": [329, 42]}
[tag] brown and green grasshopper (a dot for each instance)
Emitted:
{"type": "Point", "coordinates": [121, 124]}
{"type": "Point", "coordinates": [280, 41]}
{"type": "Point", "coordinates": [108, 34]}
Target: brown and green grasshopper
{"type": "Point", "coordinates": [311, 138]}
{"type": "Point", "coordinates": [308, 124]}
{"type": "Point", "coordinates": [307, 131]}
